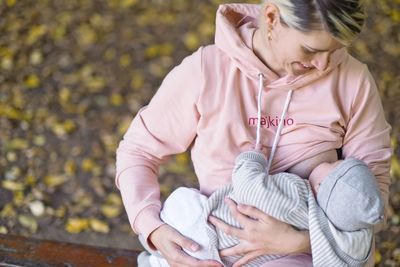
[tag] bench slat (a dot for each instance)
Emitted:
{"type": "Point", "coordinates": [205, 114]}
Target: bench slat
{"type": "Point", "coordinates": [23, 251]}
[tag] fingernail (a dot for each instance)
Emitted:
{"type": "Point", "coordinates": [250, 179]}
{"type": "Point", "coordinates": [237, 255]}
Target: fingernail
{"type": "Point", "coordinates": [194, 247]}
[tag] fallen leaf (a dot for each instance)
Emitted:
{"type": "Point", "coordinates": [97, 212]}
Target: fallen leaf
{"type": "Point", "coordinates": [110, 211]}
{"type": "Point", "coordinates": [99, 226]}
{"type": "Point", "coordinates": [77, 225]}
{"type": "Point", "coordinates": [28, 222]}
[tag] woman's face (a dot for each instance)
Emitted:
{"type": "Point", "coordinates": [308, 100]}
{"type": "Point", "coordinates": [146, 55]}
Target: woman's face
{"type": "Point", "coordinates": [296, 52]}
{"type": "Point", "coordinates": [291, 51]}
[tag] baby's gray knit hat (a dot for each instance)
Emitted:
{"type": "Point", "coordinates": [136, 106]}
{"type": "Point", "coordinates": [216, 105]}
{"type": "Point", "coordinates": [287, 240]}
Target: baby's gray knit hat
{"type": "Point", "coordinates": [350, 196]}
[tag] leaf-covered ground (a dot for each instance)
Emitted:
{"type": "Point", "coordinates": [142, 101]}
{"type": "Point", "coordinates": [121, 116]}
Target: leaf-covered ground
{"type": "Point", "coordinates": [72, 76]}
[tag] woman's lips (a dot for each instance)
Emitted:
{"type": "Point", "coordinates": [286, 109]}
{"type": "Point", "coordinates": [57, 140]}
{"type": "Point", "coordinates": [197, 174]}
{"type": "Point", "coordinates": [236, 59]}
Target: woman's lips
{"type": "Point", "coordinates": [301, 68]}
{"type": "Point", "coordinates": [306, 66]}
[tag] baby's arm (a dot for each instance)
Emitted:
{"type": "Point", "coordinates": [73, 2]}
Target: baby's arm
{"type": "Point", "coordinates": [304, 168]}
{"type": "Point", "coordinates": [248, 166]}
{"type": "Point", "coordinates": [319, 173]}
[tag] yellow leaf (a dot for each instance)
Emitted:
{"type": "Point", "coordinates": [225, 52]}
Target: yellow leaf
{"type": "Point", "coordinates": [12, 186]}
{"type": "Point", "coordinates": [166, 49]}
{"type": "Point", "coordinates": [128, 3]}
{"type": "Point", "coordinates": [396, 254]}
{"type": "Point", "coordinates": [110, 211]}
{"type": "Point", "coordinates": [18, 198]}
{"type": "Point", "coordinates": [152, 51]}
{"type": "Point", "coordinates": [11, 156]}
{"type": "Point", "coordinates": [114, 199]}
{"type": "Point", "coordinates": [39, 140]}
{"type": "Point", "coordinates": [191, 41]}
{"type": "Point", "coordinates": [125, 60]}
{"type": "Point", "coordinates": [59, 32]}
{"type": "Point", "coordinates": [7, 63]}
{"type": "Point", "coordinates": [69, 126]}
{"type": "Point", "coordinates": [99, 226]}
{"type": "Point", "coordinates": [64, 95]}
{"type": "Point", "coordinates": [19, 143]}
{"type": "Point", "coordinates": [77, 225]}
{"type": "Point", "coordinates": [58, 129]}
{"type": "Point", "coordinates": [28, 222]}
{"type": "Point", "coordinates": [10, 3]}
{"type": "Point", "coordinates": [110, 54]}
{"type": "Point", "coordinates": [206, 29]}
{"type": "Point", "coordinates": [95, 84]}
{"type": "Point", "coordinates": [88, 164]}
{"type": "Point", "coordinates": [86, 35]}
{"type": "Point", "coordinates": [35, 33]}
{"type": "Point", "coordinates": [32, 81]}
{"type": "Point", "coordinates": [60, 212]}
{"type": "Point", "coordinates": [378, 257]}
{"type": "Point", "coordinates": [394, 142]}
{"type": "Point", "coordinates": [137, 81]}
{"type": "Point", "coordinates": [395, 167]}
{"type": "Point", "coordinates": [8, 211]}
{"type": "Point", "coordinates": [395, 16]}
{"type": "Point", "coordinates": [30, 180]}
{"type": "Point", "coordinates": [182, 159]}
{"type": "Point", "coordinates": [70, 167]}
{"type": "Point", "coordinates": [11, 113]}
{"type": "Point", "coordinates": [3, 230]}
{"type": "Point", "coordinates": [116, 99]}
{"type": "Point", "coordinates": [123, 126]}
{"type": "Point", "coordinates": [54, 180]}
{"type": "Point", "coordinates": [36, 57]}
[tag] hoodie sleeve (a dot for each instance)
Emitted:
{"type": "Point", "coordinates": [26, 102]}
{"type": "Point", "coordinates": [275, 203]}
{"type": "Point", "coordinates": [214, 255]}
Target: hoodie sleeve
{"type": "Point", "coordinates": [165, 127]}
{"type": "Point", "coordinates": [368, 134]}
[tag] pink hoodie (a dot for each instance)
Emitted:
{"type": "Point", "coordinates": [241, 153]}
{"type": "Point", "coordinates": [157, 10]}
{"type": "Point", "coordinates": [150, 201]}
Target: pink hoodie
{"type": "Point", "coordinates": [209, 103]}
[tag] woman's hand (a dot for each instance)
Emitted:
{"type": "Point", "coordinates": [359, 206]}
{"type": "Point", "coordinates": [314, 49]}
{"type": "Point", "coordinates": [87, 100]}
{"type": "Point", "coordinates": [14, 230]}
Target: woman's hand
{"type": "Point", "coordinates": [260, 234]}
{"type": "Point", "coordinates": [170, 243]}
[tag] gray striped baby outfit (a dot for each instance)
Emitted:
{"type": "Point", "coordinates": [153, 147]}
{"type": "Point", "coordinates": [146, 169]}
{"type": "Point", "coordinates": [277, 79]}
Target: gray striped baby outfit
{"type": "Point", "coordinates": [289, 198]}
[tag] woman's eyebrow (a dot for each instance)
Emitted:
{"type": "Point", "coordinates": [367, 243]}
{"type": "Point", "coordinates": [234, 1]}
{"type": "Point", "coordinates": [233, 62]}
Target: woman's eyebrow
{"type": "Point", "coordinates": [315, 50]}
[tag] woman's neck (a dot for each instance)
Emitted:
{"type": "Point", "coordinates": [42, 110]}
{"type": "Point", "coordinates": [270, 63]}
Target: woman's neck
{"type": "Point", "coordinates": [263, 50]}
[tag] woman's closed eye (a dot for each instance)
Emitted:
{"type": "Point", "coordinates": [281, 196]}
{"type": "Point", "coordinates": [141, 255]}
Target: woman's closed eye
{"type": "Point", "coordinates": [308, 52]}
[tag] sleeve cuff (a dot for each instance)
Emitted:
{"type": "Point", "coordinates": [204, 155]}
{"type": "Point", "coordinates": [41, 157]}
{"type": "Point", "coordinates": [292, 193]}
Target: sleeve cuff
{"type": "Point", "coordinates": [147, 221]}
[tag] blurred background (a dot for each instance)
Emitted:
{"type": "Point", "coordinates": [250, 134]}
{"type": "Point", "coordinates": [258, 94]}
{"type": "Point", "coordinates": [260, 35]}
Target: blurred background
{"type": "Point", "coordinates": [74, 73]}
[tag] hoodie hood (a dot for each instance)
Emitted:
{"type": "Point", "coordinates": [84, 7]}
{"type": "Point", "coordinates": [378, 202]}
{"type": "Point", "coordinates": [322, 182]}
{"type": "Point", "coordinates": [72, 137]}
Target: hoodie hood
{"type": "Point", "coordinates": [235, 27]}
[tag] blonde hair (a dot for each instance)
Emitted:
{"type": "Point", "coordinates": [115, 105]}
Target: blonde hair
{"type": "Point", "coordinates": [344, 19]}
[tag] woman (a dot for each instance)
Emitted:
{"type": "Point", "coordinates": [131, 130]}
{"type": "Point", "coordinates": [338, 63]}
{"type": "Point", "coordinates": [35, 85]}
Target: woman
{"type": "Point", "coordinates": [294, 52]}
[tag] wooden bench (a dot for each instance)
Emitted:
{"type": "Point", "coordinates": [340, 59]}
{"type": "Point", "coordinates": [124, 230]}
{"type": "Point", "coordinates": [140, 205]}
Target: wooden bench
{"type": "Point", "coordinates": [22, 251]}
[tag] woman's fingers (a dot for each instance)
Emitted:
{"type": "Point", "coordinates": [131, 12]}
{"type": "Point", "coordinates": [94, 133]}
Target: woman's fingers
{"type": "Point", "coordinates": [226, 228]}
{"type": "Point", "coordinates": [187, 243]}
{"type": "Point", "coordinates": [246, 258]}
{"type": "Point", "coordinates": [253, 212]}
{"type": "Point", "coordinates": [170, 243]}
{"type": "Point", "coordinates": [237, 214]}
{"type": "Point", "coordinates": [183, 259]}
{"type": "Point", "coordinates": [233, 251]}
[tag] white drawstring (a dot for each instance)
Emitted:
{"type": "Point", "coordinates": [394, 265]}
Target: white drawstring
{"type": "Point", "coordinates": [278, 132]}
{"type": "Point", "coordinates": [260, 89]}
{"type": "Point", "coordinates": [280, 126]}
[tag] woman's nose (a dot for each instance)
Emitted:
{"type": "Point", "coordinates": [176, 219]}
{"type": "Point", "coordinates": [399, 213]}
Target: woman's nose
{"type": "Point", "coordinates": [321, 60]}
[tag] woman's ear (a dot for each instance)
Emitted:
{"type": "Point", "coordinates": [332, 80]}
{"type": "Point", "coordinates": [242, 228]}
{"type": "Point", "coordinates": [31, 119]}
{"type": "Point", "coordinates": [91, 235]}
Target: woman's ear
{"type": "Point", "coordinates": [271, 15]}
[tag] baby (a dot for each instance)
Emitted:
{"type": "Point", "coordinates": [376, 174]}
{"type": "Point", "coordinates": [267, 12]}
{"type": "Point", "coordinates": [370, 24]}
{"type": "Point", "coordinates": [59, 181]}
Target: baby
{"type": "Point", "coordinates": [349, 205]}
